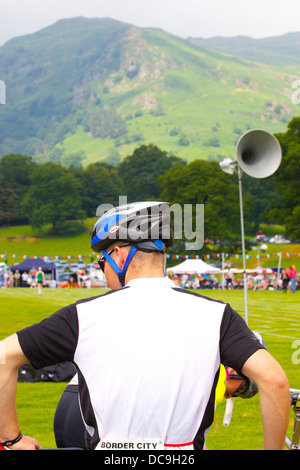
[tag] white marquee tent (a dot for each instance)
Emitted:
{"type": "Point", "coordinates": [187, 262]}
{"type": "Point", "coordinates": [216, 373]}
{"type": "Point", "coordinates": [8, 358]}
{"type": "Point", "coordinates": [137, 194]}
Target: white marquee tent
{"type": "Point", "coordinates": [194, 266]}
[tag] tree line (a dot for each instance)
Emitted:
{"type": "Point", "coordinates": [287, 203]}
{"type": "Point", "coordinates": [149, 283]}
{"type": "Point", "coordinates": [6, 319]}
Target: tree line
{"type": "Point", "coordinates": [51, 193]}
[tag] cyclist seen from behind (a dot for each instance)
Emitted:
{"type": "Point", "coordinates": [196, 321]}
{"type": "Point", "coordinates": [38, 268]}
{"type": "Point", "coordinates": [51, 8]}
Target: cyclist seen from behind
{"type": "Point", "coordinates": [147, 353]}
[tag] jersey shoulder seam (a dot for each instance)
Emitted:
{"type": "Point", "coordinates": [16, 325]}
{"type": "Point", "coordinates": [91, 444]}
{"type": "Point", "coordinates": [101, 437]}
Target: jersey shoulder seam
{"type": "Point", "coordinates": [183, 291]}
{"type": "Point", "coordinates": [90, 299]}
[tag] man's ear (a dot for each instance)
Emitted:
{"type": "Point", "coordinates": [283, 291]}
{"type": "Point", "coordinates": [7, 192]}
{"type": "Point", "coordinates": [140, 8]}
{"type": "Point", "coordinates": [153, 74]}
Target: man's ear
{"type": "Point", "coordinates": [120, 257]}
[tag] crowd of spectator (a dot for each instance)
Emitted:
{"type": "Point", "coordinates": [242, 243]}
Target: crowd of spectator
{"type": "Point", "coordinates": [37, 278]}
{"type": "Point", "coordinates": [287, 280]}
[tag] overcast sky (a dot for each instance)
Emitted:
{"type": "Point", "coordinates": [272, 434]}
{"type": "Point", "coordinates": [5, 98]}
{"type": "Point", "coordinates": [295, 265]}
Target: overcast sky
{"type": "Point", "coordinates": [197, 18]}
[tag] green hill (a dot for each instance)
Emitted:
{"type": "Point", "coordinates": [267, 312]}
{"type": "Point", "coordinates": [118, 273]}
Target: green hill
{"type": "Point", "coordinates": [275, 50]}
{"type": "Point", "coordinates": [88, 89]}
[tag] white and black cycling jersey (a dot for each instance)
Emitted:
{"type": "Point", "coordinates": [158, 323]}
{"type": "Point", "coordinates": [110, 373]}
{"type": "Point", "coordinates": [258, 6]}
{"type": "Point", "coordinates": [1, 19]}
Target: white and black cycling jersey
{"type": "Point", "coordinates": [148, 359]}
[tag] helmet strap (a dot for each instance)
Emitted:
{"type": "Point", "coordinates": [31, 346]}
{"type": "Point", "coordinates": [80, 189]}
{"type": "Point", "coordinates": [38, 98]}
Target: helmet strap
{"type": "Point", "coordinates": [121, 273]}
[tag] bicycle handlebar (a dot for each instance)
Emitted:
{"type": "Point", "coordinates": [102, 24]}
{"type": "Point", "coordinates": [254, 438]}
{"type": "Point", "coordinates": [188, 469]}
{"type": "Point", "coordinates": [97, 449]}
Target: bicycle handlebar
{"type": "Point", "coordinates": [293, 444]}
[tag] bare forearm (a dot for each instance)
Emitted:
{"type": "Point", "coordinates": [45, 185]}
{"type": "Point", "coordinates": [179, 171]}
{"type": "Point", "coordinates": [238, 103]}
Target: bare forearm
{"type": "Point", "coordinates": [11, 358]}
{"type": "Point", "coordinates": [9, 427]}
{"type": "Point", "coordinates": [275, 412]}
{"type": "Point", "coordinates": [274, 397]}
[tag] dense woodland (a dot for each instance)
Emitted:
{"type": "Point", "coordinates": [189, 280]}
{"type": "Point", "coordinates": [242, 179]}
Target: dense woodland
{"type": "Point", "coordinates": [63, 196]}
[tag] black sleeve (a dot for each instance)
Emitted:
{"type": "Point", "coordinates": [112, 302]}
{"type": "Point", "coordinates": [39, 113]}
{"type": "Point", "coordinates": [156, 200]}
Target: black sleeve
{"type": "Point", "coordinates": [237, 341]}
{"type": "Point", "coordinates": [52, 341]}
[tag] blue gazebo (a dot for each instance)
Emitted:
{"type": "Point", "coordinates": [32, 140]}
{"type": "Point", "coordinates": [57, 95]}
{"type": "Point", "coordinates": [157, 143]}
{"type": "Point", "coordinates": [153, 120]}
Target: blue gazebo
{"type": "Point", "coordinates": [30, 263]}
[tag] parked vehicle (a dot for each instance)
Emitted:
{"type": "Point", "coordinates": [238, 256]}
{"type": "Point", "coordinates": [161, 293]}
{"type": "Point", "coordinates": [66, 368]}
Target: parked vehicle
{"type": "Point", "coordinates": [259, 236]}
{"type": "Point", "coordinates": [63, 280]}
{"type": "Point", "coordinates": [74, 267]}
{"type": "Point", "coordinates": [280, 240]}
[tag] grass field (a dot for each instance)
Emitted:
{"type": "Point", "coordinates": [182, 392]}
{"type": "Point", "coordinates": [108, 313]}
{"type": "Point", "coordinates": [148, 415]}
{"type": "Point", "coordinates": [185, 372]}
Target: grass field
{"type": "Point", "coordinates": [274, 314]}
{"type": "Point", "coordinates": [23, 240]}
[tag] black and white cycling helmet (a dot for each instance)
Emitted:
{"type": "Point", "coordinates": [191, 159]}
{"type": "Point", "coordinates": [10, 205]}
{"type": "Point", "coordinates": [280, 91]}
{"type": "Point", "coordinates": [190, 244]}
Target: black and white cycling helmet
{"type": "Point", "coordinates": [144, 225]}
{"type": "Point", "coordinates": [249, 390]}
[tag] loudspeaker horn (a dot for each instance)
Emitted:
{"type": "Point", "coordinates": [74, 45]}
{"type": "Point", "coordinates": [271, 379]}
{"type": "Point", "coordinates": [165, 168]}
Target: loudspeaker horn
{"type": "Point", "coordinates": [258, 153]}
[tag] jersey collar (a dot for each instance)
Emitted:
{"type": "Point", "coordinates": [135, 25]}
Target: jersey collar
{"type": "Point", "coordinates": [151, 282]}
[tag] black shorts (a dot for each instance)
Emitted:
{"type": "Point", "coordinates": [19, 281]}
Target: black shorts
{"type": "Point", "coordinates": [69, 428]}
